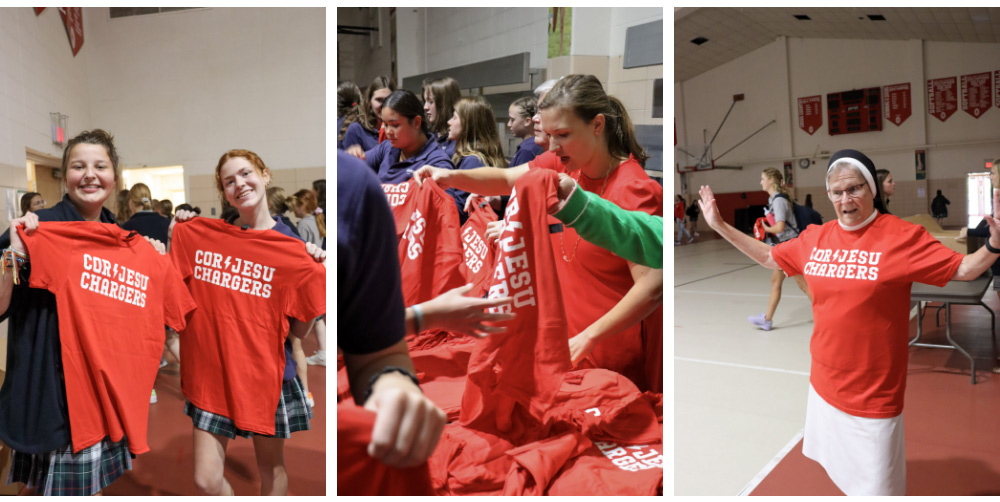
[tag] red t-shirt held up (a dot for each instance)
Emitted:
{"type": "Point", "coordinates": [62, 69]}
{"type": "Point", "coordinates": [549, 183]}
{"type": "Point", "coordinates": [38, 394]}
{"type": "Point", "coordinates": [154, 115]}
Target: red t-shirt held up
{"type": "Point", "coordinates": [360, 474]}
{"type": "Point", "coordinates": [402, 201]}
{"type": "Point", "coordinates": [247, 283]}
{"type": "Point", "coordinates": [860, 281]}
{"type": "Point", "coordinates": [114, 294]}
{"type": "Point", "coordinates": [479, 254]}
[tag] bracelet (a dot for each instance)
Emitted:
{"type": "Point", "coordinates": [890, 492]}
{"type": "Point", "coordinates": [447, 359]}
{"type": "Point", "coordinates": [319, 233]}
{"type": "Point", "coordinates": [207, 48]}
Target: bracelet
{"type": "Point", "coordinates": [418, 318]}
{"type": "Point", "coordinates": [389, 369]}
{"type": "Point", "coordinates": [12, 259]}
{"type": "Point", "coordinates": [991, 248]}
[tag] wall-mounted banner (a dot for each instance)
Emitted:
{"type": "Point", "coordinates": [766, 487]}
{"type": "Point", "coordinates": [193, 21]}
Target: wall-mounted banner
{"type": "Point", "coordinates": [789, 180]}
{"type": "Point", "coordinates": [942, 98]}
{"type": "Point", "coordinates": [896, 102]}
{"type": "Point", "coordinates": [977, 93]}
{"type": "Point", "coordinates": [38, 10]}
{"type": "Point", "coordinates": [73, 20]}
{"type": "Point", "coordinates": [920, 162]}
{"type": "Point", "coordinates": [996, 88]}
{"type": "Point", "coordinates": [811, 113]}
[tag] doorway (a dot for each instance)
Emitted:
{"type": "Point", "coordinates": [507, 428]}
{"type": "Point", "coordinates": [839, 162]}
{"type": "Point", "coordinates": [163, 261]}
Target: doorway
{"type": "Point", "coordinates": [163, 182]}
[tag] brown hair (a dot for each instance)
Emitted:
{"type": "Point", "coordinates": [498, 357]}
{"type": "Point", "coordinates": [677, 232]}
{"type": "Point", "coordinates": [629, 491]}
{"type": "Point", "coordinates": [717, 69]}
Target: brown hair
{"type": "Point", "coordinates": [367, 116]}
{"type": "Point", "coordinates": [779, 181]}
{"type": "Point", "coordinates": [479, 135]}
{"type": "Point", "coordinates": [446, 93]}
{"type": "Point", "coordinates": [122, 212]}
{"type": "Point", "coordinates": [258, 165]}
{"type": "Point", "coordinates": [94, 137]}
{"type": "Point", "coordinates": [995, 169]}
{"type": "Point", "coordinates": [26, 201]}
{"type": "Point", "coordinates": [585, 95]}
{"type": "Point", "coordinates": [166, 208]}
{"type": "Point", "coordinates": [278, 202]}
{"type": "Point", "coordinates": [140, 196]}
{"type": "Point", "coordinates": [348, 106]}
{"type": "Point", "coordinates": [528, 106]}
{"type": "Point", "coordinates": [306, 199]}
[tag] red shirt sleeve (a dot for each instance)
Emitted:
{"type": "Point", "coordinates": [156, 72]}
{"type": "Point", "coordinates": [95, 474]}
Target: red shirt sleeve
{"type": "Point", "coordinates": [307, 298]}
{"type": "Point", "coordinates": [177, 300]}
{"type": "Point", "coordinates": [643, 195]}
{"type": "Point", "coordinates": [931, 262]}
{"type": "Point", "coordinates": [791, 255]}
{"type": "Point", "coordinates": [44, 248]}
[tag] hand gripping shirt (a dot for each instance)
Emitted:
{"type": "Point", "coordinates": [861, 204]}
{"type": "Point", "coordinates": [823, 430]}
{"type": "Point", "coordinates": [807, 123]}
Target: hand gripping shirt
{"type": "Point", "coordinates": [606, 277]}
{"type": "Point", "coordinates": [247, 283]}
{"type": "Point", "coordinates": [430, 250]}
{"type": "Point", "coordinates": [479, 254]}
{"type": "Point", "coordinates": [860, 281]}
{"type": "Point", "coordinates": [114, 293]}
{"type": "Point", "coordinates": [360, 474]}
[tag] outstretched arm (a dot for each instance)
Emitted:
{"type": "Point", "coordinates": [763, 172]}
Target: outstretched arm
{"type": "Point", "coordinates": [755, 249]}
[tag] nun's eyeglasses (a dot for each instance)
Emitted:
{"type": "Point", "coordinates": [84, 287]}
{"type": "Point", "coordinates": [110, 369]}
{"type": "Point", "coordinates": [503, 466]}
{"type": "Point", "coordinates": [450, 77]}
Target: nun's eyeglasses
{"type": "Point", "coordinates": [852, 192]}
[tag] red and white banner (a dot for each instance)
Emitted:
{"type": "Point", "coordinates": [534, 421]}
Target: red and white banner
{"type": "Point", "coordinates": [942, 97]}
{"type": "Point", "coordinates": [977, 93]}
{"type": "Point", "coordinates": [811, 113]}
{"type": "Point", "coordinates": [38, 10]}
{"type": "Point", "coordinates": [996, 88]}
{"type": "Point", "coordinates": [896, 102]}
{"type": "Point", "coordinates": [73, 20]}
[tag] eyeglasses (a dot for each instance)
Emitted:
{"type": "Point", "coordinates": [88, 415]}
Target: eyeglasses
{"type": "Point", "coordinates": [852, 192]}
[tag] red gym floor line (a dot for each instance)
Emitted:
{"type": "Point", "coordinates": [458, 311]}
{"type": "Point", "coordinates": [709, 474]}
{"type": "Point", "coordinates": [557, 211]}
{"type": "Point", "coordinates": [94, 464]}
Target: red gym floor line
{"type": "Point", "coordinates": [167, 469]}
{"type": "Point", "coordinates": [952, 437]}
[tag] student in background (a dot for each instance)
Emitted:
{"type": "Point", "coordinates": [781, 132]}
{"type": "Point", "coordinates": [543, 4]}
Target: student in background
{"type": "Point", "coordinates": [364, 132]}
{"type": "Point", "coordinates": [522, 127]}
{"type": "Point", "coordinates": [348, 109]}
{"type": "Point", "coordinates": [122, 213]}
{"type": "Point", "coordinates": [473, 130]}
{"type": "Point", "coordinates": [440, 96]}
{"type": "Point", "coordinates": [888, 189]}
{"type": "Point", "coordinates": [166, 208]}
{"type": "Point", "coordinates": [144, 220]}
{"type": "Point", "coordinates": [31, 202]}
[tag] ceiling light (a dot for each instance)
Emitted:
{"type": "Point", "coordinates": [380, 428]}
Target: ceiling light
{"type": "Point", "coordinates": [876, 17]}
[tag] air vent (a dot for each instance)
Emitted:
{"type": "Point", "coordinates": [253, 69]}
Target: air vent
{"type": "Point", "coordinates": [803, 17]}
{"type": "Point", "coordinates": [117, 12]}
{"type": "Point", "coordinates": [699, 41]}
{"type": "Point", "coordinates": [876, 17]}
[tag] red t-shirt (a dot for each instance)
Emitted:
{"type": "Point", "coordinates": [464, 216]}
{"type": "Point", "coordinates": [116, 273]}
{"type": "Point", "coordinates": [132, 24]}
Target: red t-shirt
{"type": "Point", "coordinates": [679, 210]}
{"type": "Point", "coordinates": [430, 249]}
{"type": "Point", "coordinates": [114, 293]}
{"type": "Point", "coordinates": [606, 277]}
{"type": "Point", "coordinates": [247, 283]}
{"type": "Point", "coordinates": [479, 254]}
{"type": "Point", "coordinates": [360, 474]}
{"type": "Point", "coordinates": [402, 201]}
{"type": "Point", "coordinates": [860, 282]}
{"type": "Point", "coordinates": [523, 365]}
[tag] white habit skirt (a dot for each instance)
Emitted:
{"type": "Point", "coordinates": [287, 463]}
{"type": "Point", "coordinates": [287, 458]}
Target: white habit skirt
{"type": "Point", "coordinates": [863, 456]}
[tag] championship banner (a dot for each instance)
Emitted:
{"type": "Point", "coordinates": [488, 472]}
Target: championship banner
{"type": "Point", "coordinates": [942, 97]}
{"type": "Point", "coordinates": [977, 93]}
{"type": "Point", "coordinates": [810, 113]}
{"type": "Point", "coordinates": [73, 20]}
{"type": "Point", "coordinates": [996, 88]}
{"type": "Point", "coordinates": [896, 102]}
{"type": "Point", "coordinates": [38, 10]}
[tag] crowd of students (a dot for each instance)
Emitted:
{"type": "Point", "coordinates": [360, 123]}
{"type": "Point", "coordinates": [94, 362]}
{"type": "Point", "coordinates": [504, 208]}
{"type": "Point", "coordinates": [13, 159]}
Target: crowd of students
{"type": "Point", "coordinates": [434, 180]}
{"type": "Point", "coordinates": [87, 295]}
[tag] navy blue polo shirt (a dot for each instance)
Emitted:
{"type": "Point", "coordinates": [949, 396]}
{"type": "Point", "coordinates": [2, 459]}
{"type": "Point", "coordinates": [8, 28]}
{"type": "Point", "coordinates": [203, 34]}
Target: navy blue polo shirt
{"type": "Point", "coordinates": [356, 134]}
{"type": "Point", "coordinates": [448, 145]}
{"type": "Point", "coordinates": [290, 365]}
{"type": "Point", "coordinates": [526, 152]}
{"type": "Point", "coordinates": [34, 415]}
{"type": "Point", "coordinates": [340, 142]}
{"type": "Point", "coordinates": [370, 308]}
{"type": "Point", "coordinates": [460, 196]}
{"type": "Point", "coordinates": [149, 223]}
{"type": "Point", "coordinates": [384, 159]}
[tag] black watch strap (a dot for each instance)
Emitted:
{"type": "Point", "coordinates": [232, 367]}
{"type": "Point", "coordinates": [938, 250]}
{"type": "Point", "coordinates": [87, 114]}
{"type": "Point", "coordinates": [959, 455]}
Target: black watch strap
{"type": "Point", "coordinates": [991, 248]}
{"type": "Point", "coordinates": [389, 369]}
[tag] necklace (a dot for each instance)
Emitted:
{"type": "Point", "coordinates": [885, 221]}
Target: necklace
{"type": "Point", "coordinates": [569, 259]}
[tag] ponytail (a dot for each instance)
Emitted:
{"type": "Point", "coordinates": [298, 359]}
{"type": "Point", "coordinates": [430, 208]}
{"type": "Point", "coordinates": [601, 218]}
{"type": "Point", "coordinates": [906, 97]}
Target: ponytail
{"type": "Point", "coordinates": [621, 136]}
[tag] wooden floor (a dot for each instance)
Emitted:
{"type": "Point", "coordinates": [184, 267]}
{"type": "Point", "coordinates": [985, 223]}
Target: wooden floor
{"type": "Point", "coordinates": [167, 468]}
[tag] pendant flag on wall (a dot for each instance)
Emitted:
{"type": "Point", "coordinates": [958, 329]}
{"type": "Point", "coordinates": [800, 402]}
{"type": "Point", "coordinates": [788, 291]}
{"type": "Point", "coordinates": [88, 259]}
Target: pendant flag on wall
{"type": "Point", "coordinates": [976, 93]}
{"type": "Point", "coordinates": [73, 20]}
{"type": "Point", "coordinates": [38, 10]}
{"type": "Point", "coordinates": [896, 102]}
{"type": "Point", "coordinates": [942, 97]}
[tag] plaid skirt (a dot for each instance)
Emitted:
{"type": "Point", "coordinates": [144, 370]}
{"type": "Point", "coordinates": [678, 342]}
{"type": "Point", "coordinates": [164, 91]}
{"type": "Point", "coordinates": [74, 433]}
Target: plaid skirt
{"type": "Point", "coordinates": [62, 472]}
{"type": "Point", "coordinates": [293, 414]}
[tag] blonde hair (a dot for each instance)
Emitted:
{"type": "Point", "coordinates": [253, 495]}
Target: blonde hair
{"type": "Point", "coordinates": [479, 137]}
{"type": "Point", "coordinates": [779, 181]}
{"type": "Point", "coordinates": [140, 196]}
{"type": "Point", "coordinates": [278, 202]}
{"type": "Point", "coordinates": [306, 199]}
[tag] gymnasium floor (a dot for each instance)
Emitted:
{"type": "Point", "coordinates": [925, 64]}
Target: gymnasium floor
{"type": "Point", "coordinates": [740, 392]}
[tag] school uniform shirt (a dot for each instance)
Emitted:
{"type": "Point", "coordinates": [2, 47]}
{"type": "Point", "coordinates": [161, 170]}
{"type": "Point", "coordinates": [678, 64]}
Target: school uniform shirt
{"type": "Point", "coordinates": [247, 283]}
{"type": "Point", "coordinates": [33, 410]}
{"type": "Point", "coordinates": [606, 278]}
{"type": "Point", "coordinates": [448, 145]}
{"type": "Point", "coordinates": [340, 142]}
{"type": "Point", "coordinates": [356, 134]}
{"type": "Point", "coordinates": [360, 474]}
{"type": "Point", "coordinates": [479, 254]}
{"type": "Point", "coordinates": [460, 196]}
{"type": "Point", "coordinates": [150, 224]}
{"type": "Point", "coordinates": [860, 281]}
{"type": "Point", "coordinates": [370, 309]}
{"type": "Point", "coordinates": [526, 151]}
{"type": "Point", "coordinates": [114, 293]}
{"type": "Point", "coordinates": [384, 159]}
{"type": "Point", "coordinates": [430, 249]}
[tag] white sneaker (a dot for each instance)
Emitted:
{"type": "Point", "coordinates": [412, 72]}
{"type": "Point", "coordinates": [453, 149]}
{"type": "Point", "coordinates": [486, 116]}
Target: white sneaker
{"type": "Point", "coordinates": [317, 359]}
{"type": "Point", "coordinates": [152, 397]}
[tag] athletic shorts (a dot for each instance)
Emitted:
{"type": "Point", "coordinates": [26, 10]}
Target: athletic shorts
{"type": "Point", "coordinates": [293, 415]}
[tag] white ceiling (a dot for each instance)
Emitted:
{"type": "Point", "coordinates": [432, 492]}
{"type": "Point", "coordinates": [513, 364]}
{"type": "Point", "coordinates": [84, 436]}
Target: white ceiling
{"type": "Point", "coordinates": [735, 31]}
